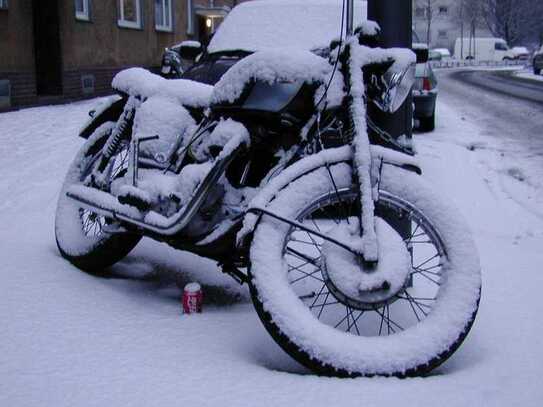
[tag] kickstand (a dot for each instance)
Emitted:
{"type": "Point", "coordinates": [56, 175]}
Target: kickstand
{"type": "Point", "coordinates": [230, 269]}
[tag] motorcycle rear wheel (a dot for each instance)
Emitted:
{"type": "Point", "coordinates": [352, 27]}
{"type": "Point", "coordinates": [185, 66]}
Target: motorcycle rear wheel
{"type": "Point", "coordinates": [78, 232]}
{"type": "Point", "coordinates": [365, 339]}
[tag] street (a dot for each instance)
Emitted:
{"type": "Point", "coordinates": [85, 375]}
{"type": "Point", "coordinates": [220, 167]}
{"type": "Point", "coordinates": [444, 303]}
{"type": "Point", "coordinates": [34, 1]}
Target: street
{"type": "Point", "coordinates": [509, 112]}
{"type": "Point", "coordinates": [72, 339]}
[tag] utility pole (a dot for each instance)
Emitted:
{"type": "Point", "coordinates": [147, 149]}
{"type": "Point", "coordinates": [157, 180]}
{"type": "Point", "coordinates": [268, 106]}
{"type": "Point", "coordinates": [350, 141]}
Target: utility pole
{"type": "Point", "coordinates": [395, 17]}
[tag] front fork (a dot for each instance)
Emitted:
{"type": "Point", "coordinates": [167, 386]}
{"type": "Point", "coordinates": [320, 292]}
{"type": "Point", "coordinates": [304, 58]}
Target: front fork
{"type": "Point", "coordinates": [367, 246]}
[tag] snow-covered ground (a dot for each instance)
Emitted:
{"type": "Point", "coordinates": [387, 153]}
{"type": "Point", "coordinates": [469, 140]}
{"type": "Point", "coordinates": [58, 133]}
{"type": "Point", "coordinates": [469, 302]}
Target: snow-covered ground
{"type": "Point", "coordinates": [528, 73]}
{"type": "Point", "coordinates": [69, 339]}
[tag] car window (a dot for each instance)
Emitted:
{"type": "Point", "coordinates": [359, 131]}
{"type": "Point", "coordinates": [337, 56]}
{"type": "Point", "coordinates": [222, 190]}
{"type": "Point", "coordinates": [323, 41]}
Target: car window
{"type": "Point", "coordinates": [500, 46]}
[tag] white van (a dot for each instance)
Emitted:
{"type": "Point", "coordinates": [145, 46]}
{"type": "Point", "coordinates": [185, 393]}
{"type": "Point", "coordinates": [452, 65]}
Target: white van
{"type": "Point", "coordinates": [483, 49]}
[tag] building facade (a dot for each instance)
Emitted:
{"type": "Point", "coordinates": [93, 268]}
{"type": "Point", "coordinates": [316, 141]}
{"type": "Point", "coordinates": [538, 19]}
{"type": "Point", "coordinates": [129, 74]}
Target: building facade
{"type": "Point", "coordinates": [445, 27]}
{"type": "Point", "coordinates": [58, 50]}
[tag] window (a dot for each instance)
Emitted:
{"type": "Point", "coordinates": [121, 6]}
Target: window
{"type": "Point", "coordinates": [82, 10]}
{"type": "Point", "coordinates": [129, 13]}
{"type": "Point", "coordinates": [4, 4]}
{"type": "Point", "coordinates": [501, 46]}
{"type": "Point", "coordinates": [443, 10]}
{"type": "Point", "coordinates": [419, 12]}
{"type": "Point", "coordinates": [190, 17]}
{"type": "Point", "coordinates": [163, 15]}
{"type": "Point", "coordinates": [442, 34]}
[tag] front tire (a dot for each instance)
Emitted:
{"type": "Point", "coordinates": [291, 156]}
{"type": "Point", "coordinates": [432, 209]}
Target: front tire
{"type": "Point", "coordinates": [79, 235]}
{"type": "Point", "coordinates": [428, 124]}
{"type": "Point", "coordinates": [339, 349]}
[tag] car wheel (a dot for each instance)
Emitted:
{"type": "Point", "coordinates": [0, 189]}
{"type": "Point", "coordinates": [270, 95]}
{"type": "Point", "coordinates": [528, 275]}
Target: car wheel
{"type": "Point", "coordinates": [428, 123]}
{"type": "Point", "coordinates": [537, 71]}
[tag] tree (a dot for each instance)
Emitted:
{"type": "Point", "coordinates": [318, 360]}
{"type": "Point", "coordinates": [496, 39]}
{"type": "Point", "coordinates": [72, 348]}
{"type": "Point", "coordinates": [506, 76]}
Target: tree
{"type": "Point", "coordinates": [430, 12]}
{"type": "Point", "coordinates": [468, 13]}
{"type": "Point", "coordinates": [512, 20]}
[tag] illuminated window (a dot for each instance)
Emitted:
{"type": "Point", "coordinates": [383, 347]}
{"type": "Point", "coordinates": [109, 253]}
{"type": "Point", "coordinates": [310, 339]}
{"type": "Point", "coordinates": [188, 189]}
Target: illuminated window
{"type": "Point", "coordinates": [4, 4]}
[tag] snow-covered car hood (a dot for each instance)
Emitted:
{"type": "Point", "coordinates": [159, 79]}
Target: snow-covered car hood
{"type": "Point", "coordinates": [271, 24]}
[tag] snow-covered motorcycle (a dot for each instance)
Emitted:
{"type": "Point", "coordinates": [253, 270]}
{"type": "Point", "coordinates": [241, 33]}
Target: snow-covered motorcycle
{"type": "Point", "coordinates": [278, 173]}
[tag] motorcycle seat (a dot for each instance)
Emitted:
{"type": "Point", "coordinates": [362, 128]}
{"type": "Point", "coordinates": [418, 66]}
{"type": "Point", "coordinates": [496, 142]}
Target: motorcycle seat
{"type": "Point", "coordinates": [141, 82]}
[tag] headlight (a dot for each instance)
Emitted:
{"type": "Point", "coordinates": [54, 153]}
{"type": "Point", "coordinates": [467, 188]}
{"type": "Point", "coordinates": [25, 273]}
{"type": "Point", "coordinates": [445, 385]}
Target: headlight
{"type": "Point", "coordinates": [398, 85]}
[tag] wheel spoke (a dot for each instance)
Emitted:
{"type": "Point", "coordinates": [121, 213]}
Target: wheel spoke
{"type": "Point", "coordinates": [322, 307]}
{"type": "Point", "coordinates": [306, 275]}
{"type": "Point", "coordinates": [324, 304]}
{"type": "Point", "coordinates": [427, 261]}
{"type": "Point", "coordinates": [314, 242]}
{"type": "Point", "coordinates": [421, 273]}
{"type": "Point", "coordinates": [318, 295]}
{"type": "Point", "coordinates": [382, 314]}
{"type": "Point", "coordinates": [416, 303]}
{"type": "Point", "coordinates": [302, 256]}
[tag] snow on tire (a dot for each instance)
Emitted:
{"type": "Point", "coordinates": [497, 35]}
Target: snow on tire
{"type": "Point", "coordinates": [78, 232]}
{"type": "Point", "coordinates": [348, 346]}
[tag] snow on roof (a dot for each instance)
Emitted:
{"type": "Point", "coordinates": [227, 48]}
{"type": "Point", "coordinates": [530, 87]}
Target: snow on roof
{"type": "Point", "coordinates": [420, 45]}
{"type": "Point", "coordinates": [270, 24]}
{"type": "Point", "coordinates": [442, 51]}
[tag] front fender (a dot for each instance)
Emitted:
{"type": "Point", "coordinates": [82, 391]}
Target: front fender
{"type": "Point", "coordinates": [311, 163]}
{"type": "Point", "coordinates": [108, 110]}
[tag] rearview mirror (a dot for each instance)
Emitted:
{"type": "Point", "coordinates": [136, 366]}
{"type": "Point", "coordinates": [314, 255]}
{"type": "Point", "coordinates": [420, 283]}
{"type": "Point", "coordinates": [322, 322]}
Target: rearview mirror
{"type": "Point", "coordinates": [190, 50]}
{"type": "Point", "coordinates": [422, 53]}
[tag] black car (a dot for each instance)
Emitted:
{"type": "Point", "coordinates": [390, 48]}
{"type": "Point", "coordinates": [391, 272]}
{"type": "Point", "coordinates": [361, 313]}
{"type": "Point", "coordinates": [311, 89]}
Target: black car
{"type": "Point", "coordinates": [538, 62]}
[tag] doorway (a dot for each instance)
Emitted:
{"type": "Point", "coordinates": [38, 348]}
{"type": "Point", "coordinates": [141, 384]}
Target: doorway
{"type": "Point", "coordinates": [47, 51]}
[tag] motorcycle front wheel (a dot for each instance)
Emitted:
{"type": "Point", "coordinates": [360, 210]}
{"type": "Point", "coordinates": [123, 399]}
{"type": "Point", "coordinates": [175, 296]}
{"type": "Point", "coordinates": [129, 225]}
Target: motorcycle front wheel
{"type": "Point", "coordinates": [406, 330]}
{"type": "Point", "coordinates": [80, 234]}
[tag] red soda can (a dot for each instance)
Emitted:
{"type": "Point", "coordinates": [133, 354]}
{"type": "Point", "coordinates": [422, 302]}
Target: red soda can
{"type": "Point", "coordinates": [192, 298]}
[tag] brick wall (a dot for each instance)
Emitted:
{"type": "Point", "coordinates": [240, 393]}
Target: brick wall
{"type": "Point", "coordinates": [23, 87]}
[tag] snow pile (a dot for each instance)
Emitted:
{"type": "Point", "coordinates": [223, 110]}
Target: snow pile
{"type": "Point", "coordinates": [282, 24]}
{"type": "Point", "coordinates": [227, 135]}
{"type": "Point", "coordinates": [164, 117]}
{"type": "Point", "coordinates": [270, 67]}
{"type": "Point", "coordinates": [189, 44]}
{"type": "Point", "coordinates": [138, 81]}
{"type": "Point", "coordinates": [368, 27]}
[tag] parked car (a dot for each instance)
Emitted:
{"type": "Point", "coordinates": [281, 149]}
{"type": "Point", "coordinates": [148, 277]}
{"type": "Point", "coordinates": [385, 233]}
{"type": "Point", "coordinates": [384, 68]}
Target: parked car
{"type": "Point", "coordinates": [483, 49]}
{"type": "Point", "coordinates": [425, 90]}
{"type": "Point", "coordinates": [434, 56]}
{"type": "Point", "coordinates": [520, 53]}
{"type": "Point", "coordinates": [440, 54]}
{"type": "Point", "coordinates": [538, 62]}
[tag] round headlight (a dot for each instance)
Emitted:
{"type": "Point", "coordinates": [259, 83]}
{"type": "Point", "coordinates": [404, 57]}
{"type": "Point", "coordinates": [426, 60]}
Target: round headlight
{"type": "Point", "coordinates": [398, 87]}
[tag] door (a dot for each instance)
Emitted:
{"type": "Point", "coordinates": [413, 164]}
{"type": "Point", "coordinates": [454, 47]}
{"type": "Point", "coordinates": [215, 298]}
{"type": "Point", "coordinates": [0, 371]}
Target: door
{"type": "Point", "coordinates": [47, 50]}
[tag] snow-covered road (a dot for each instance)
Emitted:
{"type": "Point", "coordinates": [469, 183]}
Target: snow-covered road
{"type": "Point", "coordinates": [69, 339]}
